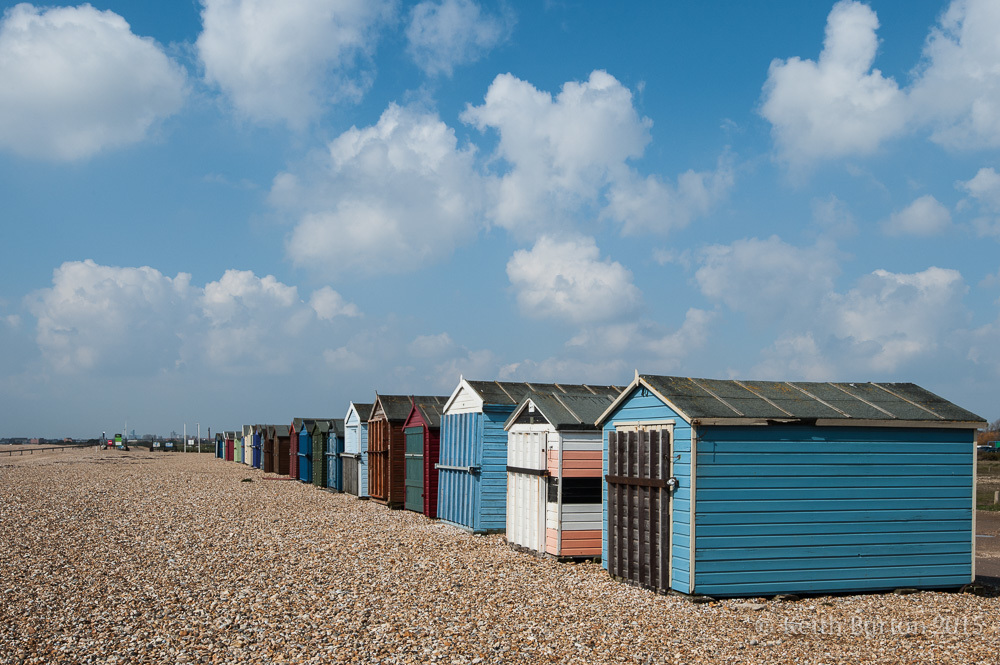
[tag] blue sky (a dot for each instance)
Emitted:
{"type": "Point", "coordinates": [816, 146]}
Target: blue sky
{"type": "Point", "coordinates": [232, 211]}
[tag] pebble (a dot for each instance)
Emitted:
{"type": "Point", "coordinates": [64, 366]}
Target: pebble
{"type": "Point", "coordinates": [138, 557]}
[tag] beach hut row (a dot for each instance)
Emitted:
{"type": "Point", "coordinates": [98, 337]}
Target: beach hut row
{"type": "Point", "coordinates": [699, 486]}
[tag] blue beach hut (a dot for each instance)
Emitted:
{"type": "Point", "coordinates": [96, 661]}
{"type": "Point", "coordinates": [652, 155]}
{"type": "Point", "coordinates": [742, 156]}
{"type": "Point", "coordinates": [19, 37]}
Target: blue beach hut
{"type": "Point", "coordinates": [472, 463]}
{"type": "Point", "coordinates": [334, 450]}
{"type": "Point", "coordinates": [751, 488]}
{"type": "Point", "coordinates": [258, 439]}
{"type": "Point", "coordinates": [305, 450]}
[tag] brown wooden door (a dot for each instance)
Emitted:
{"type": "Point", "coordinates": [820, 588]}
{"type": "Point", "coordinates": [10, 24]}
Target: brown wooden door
{"type": "Point", "coordinates": [639, 507]}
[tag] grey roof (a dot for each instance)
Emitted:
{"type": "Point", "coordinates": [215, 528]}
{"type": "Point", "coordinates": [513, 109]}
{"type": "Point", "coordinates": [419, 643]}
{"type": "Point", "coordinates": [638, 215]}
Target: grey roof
{"type": "Point", "coordinates": [397, 407]}
{"type": "Point", "coordinates": [512, 392]}
{"type": "Point", "coordinates": [804, 400]}
{"type": "Point", "coordinates": [430, 409]}
{"type": "Point", "coordinates": [320, 425]}
{"type": "Point", "coordinates": [364, 410]}
{"type": "Point", "coordinates": [576, 406]}
{"type": "Point", "coordinates": [337, 426]}
{"type": "Point", "coordinates": [281, 430]}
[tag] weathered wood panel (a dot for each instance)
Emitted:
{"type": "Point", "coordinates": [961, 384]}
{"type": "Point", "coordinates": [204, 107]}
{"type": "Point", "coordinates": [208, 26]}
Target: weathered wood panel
{"type": "Point", "coordinates": [639, 523]}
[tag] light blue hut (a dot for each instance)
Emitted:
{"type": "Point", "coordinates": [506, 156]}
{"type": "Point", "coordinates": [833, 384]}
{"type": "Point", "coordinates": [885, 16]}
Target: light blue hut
{"type": "Point", "coordinates": [356, 449]}
{"type": "Point", "coordinates": [750, 488]}
{"type": "Point", "coordinates": [472, 466]}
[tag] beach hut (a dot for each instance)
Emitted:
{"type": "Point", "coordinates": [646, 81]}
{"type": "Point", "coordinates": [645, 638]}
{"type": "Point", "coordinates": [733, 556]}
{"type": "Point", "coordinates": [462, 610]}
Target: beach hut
{"type": "Point", "coordinates": [422, 430]}
{"type": "Point", "coordinates": [752, 488]}
{"type": "Point", "coordinates": [554, 471]}
{"type": "Point", "coordinates": [248, 445]}
{"type": "Point", "coordinates": [304, 450]}
{"type": "Point", "coordinates": [293, 447]}
{"type": "Point", "coordinates": [220, 446]}
{"type": "Point", "coordinates": [334, 452]}
{"type": "Point", "coordinates": [258, 445]}
{"type": "Point", "coordinates": [279, 450]}
{"type": "Point", "coordinates": [230, 438]}
{"type": "Point", "coordinates": [318, 435]}
{"type": "Point", "coordinates": [472, 466]}
{"type": "Point", "coordinates": [238, 447]}
{"type": "Point", "coordinates": [356, 449]}
{"type": "Point", "coordinates": [267, 448]}
{"type": "Point", "coordinates": [387, 446]}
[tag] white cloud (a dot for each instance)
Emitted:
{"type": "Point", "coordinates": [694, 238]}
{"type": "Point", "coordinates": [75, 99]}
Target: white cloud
{"type": "Point", "coordinates": [766, 279]}
{"type": "Point", "coordinates": [251, 321]}
{"type": "Point", "coordinates": [609, 352]}
{"type": "Point", "coordinates": [888, 321]}
{"type": "Point", "coordinates": [344, 359]}
{"type": "Point", "coordinates": [796, 356]}
{"type": "Point", "coordinates": [891, 319]}
{"type": "Point", "coordinates": [924, 217]}
{"type": "Point", "coordinates": [442, 35]}
{"type": "Point", "coordinates": [110, 320]}
{"type": "Point", "coordinates": [386, 198]}
{"type": "Point", "coordinates": [958, 88]}
{"type": "Point", "coordinates": [562, 152]}
{"type": "Point", "coordinates": [285, 61]}
{"type": "Point", "coordinates": [329, 304]}
{"type": "Point", "coordinates": [651, 205]}
{"type": "Point", "coordinates": [567, 370]}
{"type": "Point", "coordinates": [431, 346]}
{"type": "Point", "coordinates": [77, 81]}
{"type": "Point", "coordinates": [568, 279]}
{"type": "Point", "coordinates": [837, 105]}
{"type": "Point", "coordinates": [984, 188]}
{"type": "Point", "coordinates": [833, 218]}
{"type": "Point", "coordinates": [123, 320]}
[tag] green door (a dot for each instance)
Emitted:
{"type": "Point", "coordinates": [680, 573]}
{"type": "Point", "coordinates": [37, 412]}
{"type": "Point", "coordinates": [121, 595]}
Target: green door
{"type": "Point", "coordinates": [414, 469]}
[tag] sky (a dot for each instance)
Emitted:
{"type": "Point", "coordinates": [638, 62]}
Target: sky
{"type": "Point", "coordinates": [218, 212]}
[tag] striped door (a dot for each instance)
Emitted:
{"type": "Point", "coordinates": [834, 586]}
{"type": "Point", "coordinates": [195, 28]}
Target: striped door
{"type": "Point", "coordinates": [639, 507]}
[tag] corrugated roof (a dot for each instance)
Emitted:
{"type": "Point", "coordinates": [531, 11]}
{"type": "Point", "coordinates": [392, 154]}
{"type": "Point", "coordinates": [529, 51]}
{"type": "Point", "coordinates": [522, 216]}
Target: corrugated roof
{"type": "Point", "coordinates": [803, 400]}
{"type": "Point", "coordinates": [513, 392]}
{"type": "Point", "coordinates": [576, 406]}
{"type": "Point", "coordinates": [430, 409]}
{"type": "Point", "coordinates": [397, 407]}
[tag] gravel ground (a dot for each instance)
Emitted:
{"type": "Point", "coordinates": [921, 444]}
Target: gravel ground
{"type": "Point", "coordinates": [114, 557]}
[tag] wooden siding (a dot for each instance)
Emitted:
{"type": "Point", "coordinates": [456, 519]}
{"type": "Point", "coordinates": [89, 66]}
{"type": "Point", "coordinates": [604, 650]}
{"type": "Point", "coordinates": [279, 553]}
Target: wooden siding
{"type": "Point", "coordinates": [538, 515]}
{"type": "Point", "coordinates": [280, 463]}
{"type": "Point", "coordinates": [476, 501]}
{"type": "Point", "coordinates": [334, 462]}
{"type": "Point", "coordinates": [458, 491]}
{"type": "Point", "coordinates": [293, 452]}
{"type": "Point", "coordinates": [794, 509]}
{"type": "Point", "coordinates": [642, 406]}
{"type": "Point", "coordinates": [429, 458]}
{"type": "Point", "coordinates": [267, 453]}
{"type": "Point", "coordinates": [305, 456]}
{"type": "Point", "coordinates": [581, 543]}
{"type": "Point", "coordinates": [526, 516]}
{"type": "Point", "coordinates": [319, 465]}
{"type": "Point", "coordinates": [387, 462]}
{"type": "Point", "coordinates": [466, 400]}
{"type": "Point", "coordinates": [350, 474]}
{"type": "Point", "coordinates": [432, 453]}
